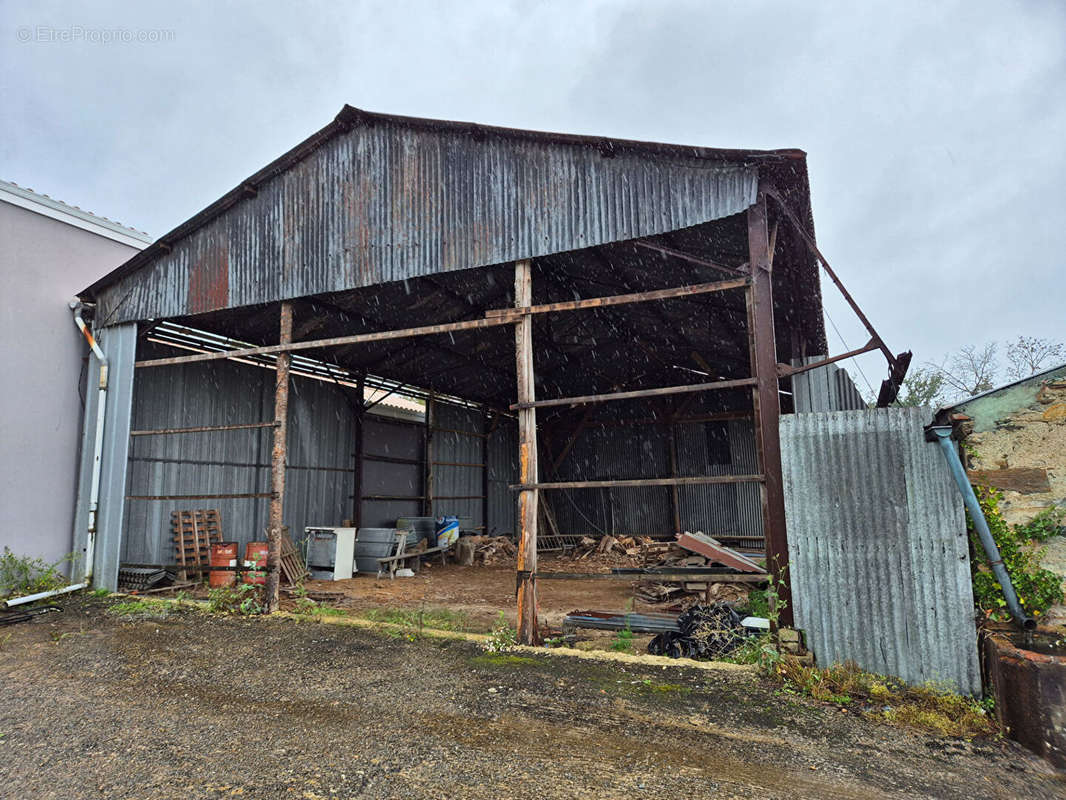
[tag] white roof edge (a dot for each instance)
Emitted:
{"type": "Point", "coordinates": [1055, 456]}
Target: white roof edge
{"type": "Point", "coordinates": [54, 209]}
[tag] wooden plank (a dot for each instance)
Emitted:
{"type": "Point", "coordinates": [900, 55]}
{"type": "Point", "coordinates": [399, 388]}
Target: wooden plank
{"type": "Point", "coordinates": [660, 392]}
{"type": "Point", "coordinates": [1025, 480]}
{"type": "Point", "coordinates": [665, 577]}
{"type": "Point", "coordinates": [700, 480]}
{"type": "Point", "coordinates": [526, 566]}
{"type": "Point", "coordinates": [620, 299]}
{"type": "Point", "coordinates": [336, 341]}
{"type": "Point", "coordinates": [198, 496]}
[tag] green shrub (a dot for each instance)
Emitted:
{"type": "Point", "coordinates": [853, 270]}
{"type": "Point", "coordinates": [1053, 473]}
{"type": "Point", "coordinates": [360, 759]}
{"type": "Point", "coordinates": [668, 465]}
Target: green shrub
{"type": "Point", "coordinates": [240, 598]}
{"type": "Point", "coordinates": [503, 636]}
{"type": "Point", "coordinates": [1038, 589]}
{"type": "Point", "coordinates": [22, 575]}
{"type": "Point", "coordinates": [1044, 525]}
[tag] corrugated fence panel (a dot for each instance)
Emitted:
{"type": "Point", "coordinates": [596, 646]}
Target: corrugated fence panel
{"type": "Point", "coordinates": [827, 388]}
{"type": "Point", "coordinates": [395, 440]}
{"type": "Point", "coordinates": [879, 561]}
{"type": "Point", "coordinates": [503, 471]}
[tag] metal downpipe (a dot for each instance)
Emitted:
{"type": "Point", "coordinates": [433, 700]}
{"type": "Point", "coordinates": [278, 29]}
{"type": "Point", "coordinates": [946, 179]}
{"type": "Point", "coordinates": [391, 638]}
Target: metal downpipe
{"type": "Point", "coordinates": [943, 436]}
{"type": "Point", "coordinates": [98, 441]}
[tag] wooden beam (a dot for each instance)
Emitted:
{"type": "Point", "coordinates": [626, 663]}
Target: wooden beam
{"type": "Point", "coordinates": [204, 429]}
{"type": "Point", "coordinates": [277, 460]}
{"type": "Point", "coordinates": [336, 341]}
{"type": "Point", "coordinates": [703, 262]}
{"type": "Point", "coordinates": [528, 632]}
{"type": "Point", "coordinates": [623, 299]}
{"type": "Point", "coordinates": [766, 400]}
{"type": "Point", "coordinates": [666, 577]}
{"type": "Point", "coordinates": [661, 392]}
{"type": "Point", "coordinates": [699, 480]}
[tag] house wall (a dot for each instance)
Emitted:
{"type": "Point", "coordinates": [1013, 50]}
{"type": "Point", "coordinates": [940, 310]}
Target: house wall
{"type": "Point", "coordinates": [45, 262]}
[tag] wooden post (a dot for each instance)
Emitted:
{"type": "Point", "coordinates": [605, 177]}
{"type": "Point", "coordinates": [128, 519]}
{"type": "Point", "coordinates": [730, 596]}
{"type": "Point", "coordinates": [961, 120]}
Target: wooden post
{"type": "Point", "coordinates": [527, 460]}
{"type": "Point", "coordinates": [766, 400]}
{"type": "Point", "coordinates": [277, 461]}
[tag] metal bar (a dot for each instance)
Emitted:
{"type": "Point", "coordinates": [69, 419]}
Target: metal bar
{"type": "Point", "coordinates": [336, 341]}
{"type": "Point", "coordinates": [412, 498]}
{"type": "Point", "coordinates": [198, 496]}
{"type": "Point", "coordinates": [526, 566]}
{"type": "Point", "coordinates": [204, 429]}
{"type": "Point", "coordinates": [277, 460]}
{"type": "Point", "coordinates": [700, 480]}
{"type": "Point", "coordinates": [669, 251]}
{"type": "Point", "coordinates": [459, 497]}
{"type": "Point", "coordinates": [767, 401]}
{"type": "Point", "coordinates": [457, 464]}
{"type": "Point", "coordinates": [784, 370]}
{"type": "Point", "coordinates": [427, 459]}
{"type": "Point", "coordinates": [622, 299]}
{"type": "Point", "coordinates": [416, 462]}
{"type": "Point", "coordinates": [667, 390]}
{"type": "Point", "coordinates": [829, 270]}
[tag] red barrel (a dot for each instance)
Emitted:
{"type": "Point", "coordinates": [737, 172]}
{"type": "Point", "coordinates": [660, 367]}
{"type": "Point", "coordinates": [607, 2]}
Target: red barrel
{"type": "Point", "coordinates": [255, 557]}
{"type": "Point", "coordinates": [223, 554]}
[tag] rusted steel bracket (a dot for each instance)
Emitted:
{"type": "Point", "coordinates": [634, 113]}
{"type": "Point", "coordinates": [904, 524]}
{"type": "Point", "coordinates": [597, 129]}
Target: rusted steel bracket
{"type": "Point", "coordinates": [669, 251]}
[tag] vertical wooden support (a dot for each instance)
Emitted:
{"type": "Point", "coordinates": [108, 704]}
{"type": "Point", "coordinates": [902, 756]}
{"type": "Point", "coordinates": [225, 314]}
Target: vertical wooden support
{"type": "Point", "coordinates": [427, 460]}
{"type": "Point", "coordinates": [527, 460]}
{"type": "Point", "coordinates": [277, 461]}
{"type": "Point", "coordinates": [766, 400]}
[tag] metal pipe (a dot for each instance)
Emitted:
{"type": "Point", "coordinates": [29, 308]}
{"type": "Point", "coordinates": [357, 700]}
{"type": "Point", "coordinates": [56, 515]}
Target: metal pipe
{"type": "Point", "coordinates": [31, 598]}
{"type": "Point", "coordinates": [98, 441]}
{"type": "Point", "coordinates": [943, 435]}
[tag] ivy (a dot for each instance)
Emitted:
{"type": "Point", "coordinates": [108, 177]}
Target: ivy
{"type": "Point", "coordinates": [1038, 589]}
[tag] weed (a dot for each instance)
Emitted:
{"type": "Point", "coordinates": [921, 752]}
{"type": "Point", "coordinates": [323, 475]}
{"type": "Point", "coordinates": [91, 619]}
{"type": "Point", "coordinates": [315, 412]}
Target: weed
{"type": "Point", "coordinates": [23, 575]}
{"type": "Point", "coordinates": [4, 640]}
{"type": "Point", "coordinates": [503, 660]}
{"type": "Point", "coordinates": [441, 619]}
{"type": "Point", "coordinates": [241, 598]}
{"type": "Point", "coordinates": [101, 592]}
{"type": "Point", "coordinates": [623, 641]}
{"type": "Point", "coordinates": [1038, 589]}
{"type": "Point", "coordinates": [502, 637]}
{"type": "Point", "coordinates": [1048, 523]}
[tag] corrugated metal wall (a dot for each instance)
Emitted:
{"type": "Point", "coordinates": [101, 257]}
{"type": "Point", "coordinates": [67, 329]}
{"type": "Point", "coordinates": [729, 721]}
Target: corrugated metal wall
{"type": "Point", "coordinates": [503, 471]}
{"type": "Point", "coordinates": [390, 201]}
{"type": "Point", "coordinates": [392, 468]}
{"type": "Point", "coordinates": [458, 490]}
{"type": "Point", "coordinates": [827, 388]}
{"type": "Point", "coordinates": [320, 473]}
{"type": "Point", "coordinates": [879, 560]}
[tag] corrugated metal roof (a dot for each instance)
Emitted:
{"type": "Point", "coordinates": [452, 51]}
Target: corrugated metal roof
{"type": "Point", "coordinates": [878, 553]}
{"type": "Point", "coordinates": [374, 198]}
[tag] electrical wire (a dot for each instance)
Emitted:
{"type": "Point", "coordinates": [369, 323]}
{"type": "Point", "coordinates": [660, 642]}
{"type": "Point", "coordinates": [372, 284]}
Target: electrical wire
{"type": "Point", "coordinates": [852, 359]}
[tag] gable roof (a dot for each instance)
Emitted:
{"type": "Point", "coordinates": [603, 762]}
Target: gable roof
{"type": "Point", "coordinates": [375, 198]}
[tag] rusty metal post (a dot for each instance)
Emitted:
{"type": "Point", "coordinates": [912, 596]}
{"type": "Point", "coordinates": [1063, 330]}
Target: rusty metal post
{"type": "Point", "coordinates": [527, 460]}
{"type": "Point", "coordinates": [766, 400]}
{"type": "Point", "coordinates": [675, 491]}
{"type": "Point", "coordinates": [277, 461]}
{"type": "Point", "coordinates": [427, 459]}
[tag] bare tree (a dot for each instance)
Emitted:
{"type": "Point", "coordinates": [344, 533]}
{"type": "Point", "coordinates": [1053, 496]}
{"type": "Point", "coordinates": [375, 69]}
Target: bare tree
{"type": "Point", "coordinates": [923, 386]}
{"type": "Point", "coordinates": [1028, 355]}
{"type": "Point", "coordinates": [970, 370]}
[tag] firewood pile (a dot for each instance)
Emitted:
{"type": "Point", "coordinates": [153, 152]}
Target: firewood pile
{"type": "Point", "coordinates": [489, 550]}
{"type": "Point", "coordinates": [630, 551]}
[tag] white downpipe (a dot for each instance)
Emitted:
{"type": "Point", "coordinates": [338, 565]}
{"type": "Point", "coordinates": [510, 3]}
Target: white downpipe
{"type": "Point", "coordinates": [30, 598]}
{"type": "Point", "coordinates": [98, 441]}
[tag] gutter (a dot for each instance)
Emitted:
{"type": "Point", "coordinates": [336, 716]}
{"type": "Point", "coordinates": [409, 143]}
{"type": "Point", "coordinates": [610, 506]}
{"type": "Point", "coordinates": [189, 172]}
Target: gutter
{"type": "Point", "coordinates": [942, 433]}
{"type": "Point", "coordinates": [98, 442]}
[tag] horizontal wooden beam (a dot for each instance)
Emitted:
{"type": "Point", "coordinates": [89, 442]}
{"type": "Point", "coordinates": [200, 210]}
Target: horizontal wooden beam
{"type": "Point", "coordinates": [621, 299]}
{"type": "Point", "coordinates": [784, 370]}
{"type": "Point", "coordinates": [336, 341]}
{"type": "Point", "coordinates": [199, 496]}
{"type": "Point", "coordinates": [641, 482]}
{"type": "Point", "coordinates": [667, 390]}
{"type": "Point", "coordinates": [204, 429]}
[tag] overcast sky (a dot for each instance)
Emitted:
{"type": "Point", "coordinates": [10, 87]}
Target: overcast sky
{"type": "Point", "coordinates": [935, 131]}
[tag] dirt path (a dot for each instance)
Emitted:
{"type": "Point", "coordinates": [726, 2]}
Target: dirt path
{"type": "Point", "coordinates": [192, 706]}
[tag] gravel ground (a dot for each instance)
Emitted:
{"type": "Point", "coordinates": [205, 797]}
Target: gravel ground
{"type": "Point", "coordinates": [191, 706]}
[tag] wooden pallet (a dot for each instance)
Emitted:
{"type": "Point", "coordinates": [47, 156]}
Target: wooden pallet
{"type": "Point", "coordinates": [194, 531]}
{"type": "Point", "coordinates": [293, 568]}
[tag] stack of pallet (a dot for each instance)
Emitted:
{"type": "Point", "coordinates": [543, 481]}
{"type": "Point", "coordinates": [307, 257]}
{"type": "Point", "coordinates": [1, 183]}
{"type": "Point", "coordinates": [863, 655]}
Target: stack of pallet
{"type": "Point", "coordinates": [194, 533]}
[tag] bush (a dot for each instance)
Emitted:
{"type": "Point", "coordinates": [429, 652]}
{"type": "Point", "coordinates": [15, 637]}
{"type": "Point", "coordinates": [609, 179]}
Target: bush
{"type": "Point", "coordinates": [21, 576]}
{"type": "Point", "coordinates": [503, 636]}
{"type": "Point", "coordinates": [240, 598]}
{"type": "Point", "coordinates": [1038, 589]}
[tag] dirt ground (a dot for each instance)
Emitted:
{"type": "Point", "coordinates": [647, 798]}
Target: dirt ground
{"type": "Point", "coordinates": [480, 592]}
{"type": "Point", "coordinates": [187, 705]}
